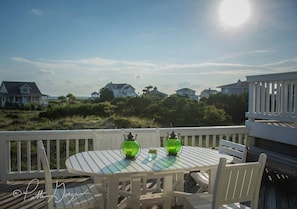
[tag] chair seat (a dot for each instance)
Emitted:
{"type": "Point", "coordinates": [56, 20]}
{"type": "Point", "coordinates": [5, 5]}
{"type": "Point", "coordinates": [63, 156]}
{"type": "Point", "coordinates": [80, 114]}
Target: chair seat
{"type": "Point", "coordinates": [205, 202]}
{"type": "Point", "coordinates": [202, 177]}
{"type": "Point", "coordinates": [83, 196]}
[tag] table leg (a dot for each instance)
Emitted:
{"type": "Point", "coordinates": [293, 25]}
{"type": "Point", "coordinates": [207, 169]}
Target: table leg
{"type": "Point", "coordinates": [112, 194]}
{"type": "Point", "coordinates": [167, 187]}
{"type": "Point", "coordinates": [212, 178]}
{"type": "Point", "coordinates": [179, 186]}
{"type": "Point", "coordinates": [136, 190]}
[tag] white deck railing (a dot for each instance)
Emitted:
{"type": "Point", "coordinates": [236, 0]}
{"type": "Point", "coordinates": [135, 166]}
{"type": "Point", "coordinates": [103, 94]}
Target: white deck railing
{"type": "Point", "coordinates": [273, 97]}
{"type": "Point", "coordinates": [19, 158]}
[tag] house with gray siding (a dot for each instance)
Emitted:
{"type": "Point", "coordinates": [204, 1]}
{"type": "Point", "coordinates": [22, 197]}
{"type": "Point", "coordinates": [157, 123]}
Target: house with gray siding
{"type": "Point", "coordinates": [20, 93]}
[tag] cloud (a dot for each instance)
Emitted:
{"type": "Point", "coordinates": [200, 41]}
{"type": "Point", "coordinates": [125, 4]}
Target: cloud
{"type": "Point", "coordinates": [140, 69]}
{"type": "Point", "coordinates": [46, 72]}
{"type": "Point", "coordinates": [36, 12]}
{"type": "Point", "coordinates": [82, 76]}
{"type": "Point", "coordinates": [259, 52]}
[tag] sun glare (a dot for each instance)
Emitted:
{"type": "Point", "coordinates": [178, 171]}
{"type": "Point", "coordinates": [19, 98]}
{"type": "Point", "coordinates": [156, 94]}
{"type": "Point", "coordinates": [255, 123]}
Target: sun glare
{"type": "Point", "coordinates": [234, 12]}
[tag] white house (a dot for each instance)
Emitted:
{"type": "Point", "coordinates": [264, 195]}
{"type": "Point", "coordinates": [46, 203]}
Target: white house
{"type": "Point", "coordinates": [20, 93]}
{"type": "Point", "coordinates": [207, 92]}
{"type": "Point", "coordinates": [155, 92]}
{"type": "Point", "coordinates": [95, 95]}
{"type": "Point", "coordinates": [121, 90]}
{"type": "Point", "coordinates": [235, 88]}
{"type": "Point", "coordinates": [187, 92]}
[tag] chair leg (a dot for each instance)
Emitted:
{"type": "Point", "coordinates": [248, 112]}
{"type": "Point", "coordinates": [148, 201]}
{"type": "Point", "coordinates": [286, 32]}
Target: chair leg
{"type": "Point", "coordinates": [202, 189]}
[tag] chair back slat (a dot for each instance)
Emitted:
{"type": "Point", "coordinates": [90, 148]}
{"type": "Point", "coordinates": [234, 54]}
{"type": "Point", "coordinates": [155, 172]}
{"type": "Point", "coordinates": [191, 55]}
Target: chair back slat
{"type": "Point", "coordinates": [148, 139]}
{"type": "Point", "coordinates": [108, 140]}
{"type": "Point", "coordinates": [238, 182]}
{"type": "Point", "coordinates": [113, 139]}
{"type": "Point", "coordinates": [238, 151]}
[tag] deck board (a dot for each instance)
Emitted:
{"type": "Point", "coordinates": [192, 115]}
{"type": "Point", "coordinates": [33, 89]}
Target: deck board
{"type": "Point", "coordinates": [277, 191]}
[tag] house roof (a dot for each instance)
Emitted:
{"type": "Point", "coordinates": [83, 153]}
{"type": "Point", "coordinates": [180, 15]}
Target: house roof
{"type": "Point", "coordinates": [209, 91]}
{"type": "Point", "coordinates": [238, 84]}
{"type": "Point", "coordinates": [185, 89]}
{"type": "Point", "coordinates": [156, 92]}
{"type": "Point", "coordinates": [119, 86]}
{"type": "Point", "coordinates": [13, 88]}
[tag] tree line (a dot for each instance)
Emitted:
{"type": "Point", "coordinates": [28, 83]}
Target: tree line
{"type": "Point", "coordinates": [171, 111]}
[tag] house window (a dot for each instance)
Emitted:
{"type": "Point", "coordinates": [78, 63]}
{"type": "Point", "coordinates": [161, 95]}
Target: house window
{"type": "Point", "coordinates": [25, 89]}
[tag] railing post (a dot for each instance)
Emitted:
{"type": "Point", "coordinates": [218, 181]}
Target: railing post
{"type": "Point", "coordinates": [251, 97]}
{"type": "Point", "coordinates": [4, 159]}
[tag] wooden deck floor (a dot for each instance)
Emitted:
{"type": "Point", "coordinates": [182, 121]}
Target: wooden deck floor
{"type": "Point", "coordinates": [277, 192]}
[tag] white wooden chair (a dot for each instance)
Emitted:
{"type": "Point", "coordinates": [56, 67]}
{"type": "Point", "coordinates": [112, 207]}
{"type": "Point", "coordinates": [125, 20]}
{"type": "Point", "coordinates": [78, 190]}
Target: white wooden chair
{"type": "Point", "coordinates": [83, 196]}
{"type": "Point", "coordinates": [112, 139]}
{"type": "Point", "coordinates": [234, 184]}
{"type": "Point", "coordinates": [147, 138]}
{"type": "Point", "coordinates": [237, 151]}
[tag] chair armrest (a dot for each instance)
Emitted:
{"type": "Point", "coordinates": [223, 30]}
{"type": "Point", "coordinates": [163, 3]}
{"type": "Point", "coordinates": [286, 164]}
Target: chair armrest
{"type": "Point", "coordinates": [178, 193]}
{"type": "Point", "coordinates": [185, 194]}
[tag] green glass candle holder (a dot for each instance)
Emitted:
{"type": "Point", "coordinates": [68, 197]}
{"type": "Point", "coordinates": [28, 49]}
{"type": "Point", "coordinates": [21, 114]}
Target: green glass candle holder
{"type": "Point", "coordinates": [130, 147]}
{"type": "Point", "coordinates": [173, 144]}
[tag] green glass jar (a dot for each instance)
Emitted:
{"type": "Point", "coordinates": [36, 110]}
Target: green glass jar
{"type": "Point", "coordinates": [130, 147]}
{"type": "Point", "coordinates": [173, 144]}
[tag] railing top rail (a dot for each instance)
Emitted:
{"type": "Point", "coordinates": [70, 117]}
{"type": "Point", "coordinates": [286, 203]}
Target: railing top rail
{"type": "Point", "coordinates": [45, 134]}
{"type": "Point", "coordinates": [89, 133]}
{"type": "Point", "coordinates": [273, 77]}
{"type": "Point", "coordinates": [86, 131]}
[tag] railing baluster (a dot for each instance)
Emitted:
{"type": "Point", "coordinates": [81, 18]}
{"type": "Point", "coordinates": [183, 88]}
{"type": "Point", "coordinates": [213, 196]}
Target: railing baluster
{"type": "Point", "coordinates": [19, 154]}
{"type": "Point", "coordinates": [214, 141]}
{"type": "Point", "coordinates": [234, 137]}
{"type": "Point", "coordinates": [285, 99]}
{"type": "Point", "coordinates": [48, 150]}
{"type": "Point", "coordinates": [86, 144]}
{"type": "Point", "coordinates": [28, 155]}
{"type": "Point", "coordinates": [262, 95]}
{"type": "Point", "coordinates": [258, 97]}
{"type": "Point", "coordinates": [267, 98]}
{"type": "Point", "coordinates": [239, 138]}
{"type": "Point", "coordinates": [67, 148]}
{"type": "Point", "coordinates": [290, 98]}
{"type": "Point", "coordinates": [295, 99]}
{"type": "Point", "coordinates": [38, 160]}
{"type": "Point", "coordinates": [58, 154]}
{"type": "Point", "coordinates": [273, 93]}
{"type": "Point", "coordinates": [200, 140]}
{"type": "Point", "coordinates": [186, 140]}
{"type": "Point", "coordinates": [9, 156]}
{"type": "Point", "coordinates": [279, 96]}
{"type": "Point", "coordinates": [76, 145]}
{"type": "Point", "coordinates": [207, 140]}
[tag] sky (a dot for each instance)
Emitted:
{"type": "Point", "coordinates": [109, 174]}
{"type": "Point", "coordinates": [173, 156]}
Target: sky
{"type": "Point", "coordinates": [78, 46]}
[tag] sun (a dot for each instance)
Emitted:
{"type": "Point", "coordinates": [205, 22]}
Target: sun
{"type": "Point", "coordinates": [234, 12]}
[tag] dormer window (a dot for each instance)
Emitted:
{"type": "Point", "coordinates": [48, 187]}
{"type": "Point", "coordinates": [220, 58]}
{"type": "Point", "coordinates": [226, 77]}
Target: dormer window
{"type": "Point", "coordinates": [25, 89]}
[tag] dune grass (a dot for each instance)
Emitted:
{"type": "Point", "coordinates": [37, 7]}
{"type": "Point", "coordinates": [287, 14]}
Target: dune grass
{"type": "Point", "coordinates": [16, 120]}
